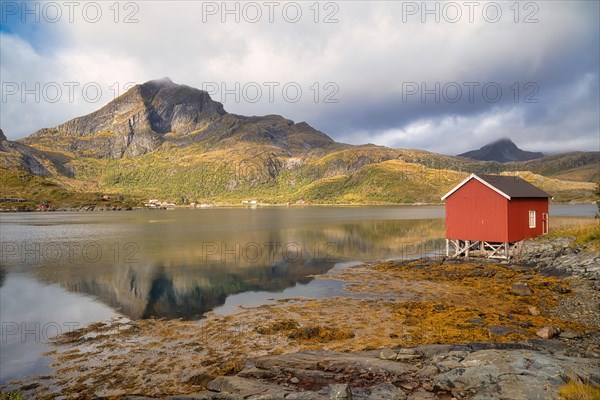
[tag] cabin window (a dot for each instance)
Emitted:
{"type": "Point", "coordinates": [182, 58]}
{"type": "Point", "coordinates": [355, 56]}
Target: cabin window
{"type": "Point", "coordinates": [531, 219]}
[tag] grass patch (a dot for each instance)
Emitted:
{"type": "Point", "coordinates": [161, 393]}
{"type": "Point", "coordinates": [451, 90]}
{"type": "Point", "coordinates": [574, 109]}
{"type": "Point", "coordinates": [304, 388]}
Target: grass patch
{"type": "Point", "coordinates": [37, 190]}
{"type": "Point", "coordinates": [576, 390]}
{"type": "Point", "coordinates": [276, 327]}
{"type": "Point", "coordinates": [201, 380]}
{"type": "Point", "coordinates": [13, 395]}
{"type": "Point", "coordinates": [586, 235]}
{"type": "Point", "coordinates": [320, 334]}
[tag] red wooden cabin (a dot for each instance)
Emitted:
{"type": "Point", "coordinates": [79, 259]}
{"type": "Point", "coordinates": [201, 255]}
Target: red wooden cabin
{"type": "Point", "coordinates": [491, 213]}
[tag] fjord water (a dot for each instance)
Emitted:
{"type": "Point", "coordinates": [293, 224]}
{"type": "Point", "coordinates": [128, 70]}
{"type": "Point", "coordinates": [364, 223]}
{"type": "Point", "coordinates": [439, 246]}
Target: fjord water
{"type": "Point", "coordinates": [59, 271]}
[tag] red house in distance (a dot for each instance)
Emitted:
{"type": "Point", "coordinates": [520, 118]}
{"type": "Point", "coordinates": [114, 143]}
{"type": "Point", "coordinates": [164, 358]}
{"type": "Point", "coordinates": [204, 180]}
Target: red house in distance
{"type": "Point", "coordinates": [492, 213]}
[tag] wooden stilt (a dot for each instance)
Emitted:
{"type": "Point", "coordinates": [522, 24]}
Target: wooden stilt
{"type": "Point", "coordinates": [467, 248]}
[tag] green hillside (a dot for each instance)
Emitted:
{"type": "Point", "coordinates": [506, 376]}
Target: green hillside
{"type": "Point", "coordinates": [358, 175]}
{"type": "Point", "coordinates": [173, 143]}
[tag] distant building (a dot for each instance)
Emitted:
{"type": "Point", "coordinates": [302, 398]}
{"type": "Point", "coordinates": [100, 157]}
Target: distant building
{"type": "Point", "coordinates": [491, 214]}
{"type": "Point", "coordinates": [153, 203]}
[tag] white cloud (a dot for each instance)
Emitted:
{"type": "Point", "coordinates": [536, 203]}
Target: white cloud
{"type": "Point", "coordinates": [369, 54]}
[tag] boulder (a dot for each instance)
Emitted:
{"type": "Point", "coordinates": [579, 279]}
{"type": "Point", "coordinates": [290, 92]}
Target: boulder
{"type": "Point", "coordinates": [548, 332]}
{"type": "Point", "coordinates": [386, 391]}
{"type": "Point", "coordinates": [533, 310]}
{"type": "Point", "coordinates": [341, 391]}
{"type": "Point", "coordinates": [521, 289]}
{"type": "Point", "coordinates": [387, 354]}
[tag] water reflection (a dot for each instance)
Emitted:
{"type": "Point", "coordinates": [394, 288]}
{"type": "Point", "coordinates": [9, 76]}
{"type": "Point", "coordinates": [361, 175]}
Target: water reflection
{"type": "Point", "coordinates": [141, 291]}
{"type": "Point", "coordinates": [83, 267]}
{"type": "Point", "coordinates": [184, 263]}
{"type": "Point", "coordinates": [33, 312]}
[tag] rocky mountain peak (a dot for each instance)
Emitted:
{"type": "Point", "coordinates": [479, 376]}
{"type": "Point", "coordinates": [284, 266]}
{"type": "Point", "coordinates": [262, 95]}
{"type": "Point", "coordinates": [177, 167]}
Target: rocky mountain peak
{"type": "Point", "coordinates": [134, 123]}
{"type": "Point", "coordinates": [157, 106]}
{"type": "Point", "coordinates": [159, 111]}
{"type": "Point", "coordinates": [2, 136]}
{"type": "Point", "coordinates": [502, 150]}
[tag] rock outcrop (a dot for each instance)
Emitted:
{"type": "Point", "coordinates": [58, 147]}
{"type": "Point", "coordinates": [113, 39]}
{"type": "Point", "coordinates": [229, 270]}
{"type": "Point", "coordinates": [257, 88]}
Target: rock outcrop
{"type": "Point", "coordinates": [522, 370]}
{"type": "Point", "coordinates": [558, 257]}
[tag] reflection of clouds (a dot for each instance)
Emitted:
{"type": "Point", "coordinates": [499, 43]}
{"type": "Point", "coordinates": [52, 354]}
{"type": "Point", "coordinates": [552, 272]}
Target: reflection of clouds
{"type": "Point", "coordinates": [185, 263]}
{"type": "Point", "coordinates": [25, 299]}
{"type": "Point", "coordinates": [24, 302]}
{"type": "Point", "coordinates": [173, 277]}
{"type": "Point", "coordinates": [315, 289]}
{"type": "Point", "coordinates": [569, 210]}
{"type": "Point", "coordinates": [199, 283]}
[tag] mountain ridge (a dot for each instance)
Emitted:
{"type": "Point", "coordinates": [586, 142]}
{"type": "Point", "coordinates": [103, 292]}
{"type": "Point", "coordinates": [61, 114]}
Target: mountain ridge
{"type": "Point", "coordinates": [159, 111]}
{"type": "Point", "coordinates": [501, 150]}
{"type": "Point", "coordinates": [165, 140]}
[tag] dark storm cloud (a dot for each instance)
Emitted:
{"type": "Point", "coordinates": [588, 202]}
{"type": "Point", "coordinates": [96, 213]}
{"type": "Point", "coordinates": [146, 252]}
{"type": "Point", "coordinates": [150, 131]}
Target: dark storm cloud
{"type": "Point", "coordinates": [559, 93]}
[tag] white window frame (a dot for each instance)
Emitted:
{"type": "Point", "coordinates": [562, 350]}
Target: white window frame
{"type": "Point", "coordinates": [532, 221]}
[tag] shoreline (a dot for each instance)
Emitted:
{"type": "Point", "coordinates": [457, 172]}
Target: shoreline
{"type": "Point", "coordinates": [409, 307]}
{"type": "Point", "coordinates": [239, 206]}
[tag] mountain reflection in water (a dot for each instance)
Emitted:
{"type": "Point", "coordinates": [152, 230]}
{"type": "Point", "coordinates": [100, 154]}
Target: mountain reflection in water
{"type": "Point", "coordinates": [185, 292]}
{"type": "Point", "coordinates": [183, 263]}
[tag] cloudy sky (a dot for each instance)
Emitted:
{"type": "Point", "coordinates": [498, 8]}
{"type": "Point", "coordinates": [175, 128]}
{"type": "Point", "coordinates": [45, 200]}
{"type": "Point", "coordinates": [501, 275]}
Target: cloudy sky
{"type": "Point", "coordinates": [441, 76]}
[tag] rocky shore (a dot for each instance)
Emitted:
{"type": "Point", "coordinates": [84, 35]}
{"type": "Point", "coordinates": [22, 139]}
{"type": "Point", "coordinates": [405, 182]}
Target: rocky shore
{"type": "Point", "coordinates": [525, 370]}
{"type": "Point", "coordinates": [420, 329]}
{"type": "Point", "coordinates": [531, 369]}
{"type": "Point", "coordinates": [558, 257]}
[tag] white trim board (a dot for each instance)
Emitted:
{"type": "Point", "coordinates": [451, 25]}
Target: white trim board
{"type": "Point", "coordinates": [480, 180]}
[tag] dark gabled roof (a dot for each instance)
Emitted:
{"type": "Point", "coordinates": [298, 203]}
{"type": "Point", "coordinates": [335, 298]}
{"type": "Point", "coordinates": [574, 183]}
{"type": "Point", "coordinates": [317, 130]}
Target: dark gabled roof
{"type": "Point", "coordinates": [507, 186]}
{"type": "Point", "coordinates": [514, 186]}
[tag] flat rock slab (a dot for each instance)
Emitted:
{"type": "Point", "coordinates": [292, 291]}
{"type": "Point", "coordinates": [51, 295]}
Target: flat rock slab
{"type": "Point", "coordinates": [245, 388]}
{"type": "Point", "coordinates": [330, 361]}
{"type": "Point", "coordinates": [526, 370]}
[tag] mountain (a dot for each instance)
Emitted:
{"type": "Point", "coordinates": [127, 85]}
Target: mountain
{"type": "Point", "coordinates": [15, 155]}
{"type": "Point", "coordinates": [160, 111]}
{"type": "Point", "coordinates": [503, 150]}
{"type": "Point", "coordinates": [583, 166]}
{"type": "Point", "coordinates": [173, 142]}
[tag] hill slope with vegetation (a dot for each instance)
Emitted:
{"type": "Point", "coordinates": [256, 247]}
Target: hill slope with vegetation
{"type": "Point", "coordinates": [172, 142]}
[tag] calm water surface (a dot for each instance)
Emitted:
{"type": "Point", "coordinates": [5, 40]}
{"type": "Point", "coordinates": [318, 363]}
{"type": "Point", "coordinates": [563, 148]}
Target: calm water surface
{"type": "Point", "coordinates": [64, 270]}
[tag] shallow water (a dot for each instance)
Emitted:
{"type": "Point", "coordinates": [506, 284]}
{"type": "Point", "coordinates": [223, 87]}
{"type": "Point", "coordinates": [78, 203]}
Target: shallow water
{"type": "Point", "coordinates": [63, 270]}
